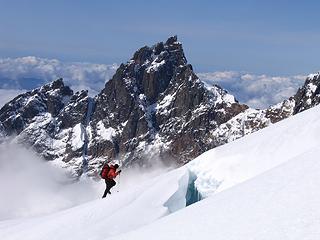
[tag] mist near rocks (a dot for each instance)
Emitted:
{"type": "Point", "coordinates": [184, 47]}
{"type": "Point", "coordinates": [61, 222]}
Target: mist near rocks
{"type": "Point", "coordinates": [30, 186]}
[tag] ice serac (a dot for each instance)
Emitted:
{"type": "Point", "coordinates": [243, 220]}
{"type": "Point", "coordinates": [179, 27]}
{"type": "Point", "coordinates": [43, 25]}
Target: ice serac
{"type": "Point", "coordinates": [158, 108]}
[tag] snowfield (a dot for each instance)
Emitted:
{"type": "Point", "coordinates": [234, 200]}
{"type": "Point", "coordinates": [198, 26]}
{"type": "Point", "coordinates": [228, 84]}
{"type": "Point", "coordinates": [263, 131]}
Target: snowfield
{"type": "Point", "coordinates": [280, 204]}
{"type": "Point", "coordinates": [119, 212]}
{"type": "Point", "coordinates": [262, 186]}
{"type": "Point", "coordinates": [237, 161]}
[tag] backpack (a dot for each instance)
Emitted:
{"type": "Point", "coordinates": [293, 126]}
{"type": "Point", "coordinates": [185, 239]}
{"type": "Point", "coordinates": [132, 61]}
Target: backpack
{"type": "Point", "coordinates": [104, 171]}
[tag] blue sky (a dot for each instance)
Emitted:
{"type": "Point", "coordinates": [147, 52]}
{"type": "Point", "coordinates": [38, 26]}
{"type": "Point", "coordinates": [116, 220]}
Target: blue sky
{"type": "Point", "coordinates": [272, 37]}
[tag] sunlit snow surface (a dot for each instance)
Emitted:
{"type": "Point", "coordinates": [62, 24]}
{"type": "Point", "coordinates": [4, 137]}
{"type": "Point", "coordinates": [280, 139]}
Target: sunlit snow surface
{"type": "Point", "coordinates": [225, 166]}
{"type": "Point", "coordinates": [280, 204]}
{"type": "Point", "coordinates": [280, 200]}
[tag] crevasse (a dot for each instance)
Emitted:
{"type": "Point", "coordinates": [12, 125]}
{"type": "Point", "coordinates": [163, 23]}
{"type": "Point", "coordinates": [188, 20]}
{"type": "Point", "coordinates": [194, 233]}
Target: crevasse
{"type": "Point", "coordinates": [186, 193]}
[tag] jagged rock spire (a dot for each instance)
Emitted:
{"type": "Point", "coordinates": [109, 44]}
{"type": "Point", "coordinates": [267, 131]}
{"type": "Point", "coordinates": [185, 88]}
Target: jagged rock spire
{"type": "Point", "coordinates": [153, 102]}
{"type": "Point", "coordinates": [154, 107]}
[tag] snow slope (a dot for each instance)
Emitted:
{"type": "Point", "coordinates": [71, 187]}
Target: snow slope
{"type": "Point", "coordinates": [280, 204]}
{"type": "Point", "coordinates": [235, 162]}
{"type": "Point", "coordinates": [119, 212]}
{"type": "Point", "coordinates": [280, 201]}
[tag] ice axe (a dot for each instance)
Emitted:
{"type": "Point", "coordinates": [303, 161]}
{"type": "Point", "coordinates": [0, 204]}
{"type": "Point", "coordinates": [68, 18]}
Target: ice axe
{"type": "Point", "coordinates": [119, 180]}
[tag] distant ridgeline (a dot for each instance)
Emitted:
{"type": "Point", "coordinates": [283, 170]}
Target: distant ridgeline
{"type": "Point", "coordinates": [154, 108]}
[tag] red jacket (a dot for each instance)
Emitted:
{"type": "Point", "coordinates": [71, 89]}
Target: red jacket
{"type": "Point", "coordinates": [112, 173]}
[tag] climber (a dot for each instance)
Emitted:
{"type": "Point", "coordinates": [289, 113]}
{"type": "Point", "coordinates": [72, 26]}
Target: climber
{"type": "Point", "coordinates": [108, 173]}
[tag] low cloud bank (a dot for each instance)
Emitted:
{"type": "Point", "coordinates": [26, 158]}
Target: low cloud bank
{"type": "Point", "coordinates": [30, 72]}
{"type": "Point", "coordinates": [257, 91]}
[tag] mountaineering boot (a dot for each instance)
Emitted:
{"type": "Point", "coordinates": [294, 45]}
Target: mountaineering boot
{"type": "Point", "coordinates": [105, 194]}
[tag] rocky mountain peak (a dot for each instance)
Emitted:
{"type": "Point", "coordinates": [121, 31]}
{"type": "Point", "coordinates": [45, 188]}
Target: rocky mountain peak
{"type": "Point", "coordinates": [153, 108]}
{"type": "Point", "coordinates": [309, 94]}
{"type": "Point", "coordinates": [151, 68]}
{"type": "Point", "coordinates": [57, 84]}
{"type": "Point", "coordinates": [171, 49]}
{"type": "Point", "coordinates": [153, 102]}
{"type": "Point", "coordinates": [172, 40]}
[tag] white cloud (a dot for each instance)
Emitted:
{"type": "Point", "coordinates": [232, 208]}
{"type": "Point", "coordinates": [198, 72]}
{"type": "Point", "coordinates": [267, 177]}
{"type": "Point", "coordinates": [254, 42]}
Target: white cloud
{"type": "Point", "coordinates": [257, 91]}
{"type": "Point", "coordinates": [77, 75]}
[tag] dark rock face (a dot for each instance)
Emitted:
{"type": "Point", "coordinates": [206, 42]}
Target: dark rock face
{"type": "Point", "coordinates": [306, 97]}
{"type": "Point", "coordinates": [252, 120]}
{"type": "Point", "coordinates": [154, 107]}
{"type": "Point", "coordinates": [309, 95]}
{"type": "Point", "coordinates": [19, 112]}
{"type": "Point", "coordinates": [43, 119]}
{"type": "Point", "coordinates": [75, 111]}
{"type": "Point", "coordinates": [155, 104]}
{"type": "Point", "coordinates": [280, 111]}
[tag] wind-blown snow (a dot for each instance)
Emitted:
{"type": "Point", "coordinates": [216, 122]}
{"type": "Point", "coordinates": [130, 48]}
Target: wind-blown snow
{"type": "Point", "coordinates": [262, 186]}
{"type": "Point", "coordinates": [30, 186]}
{"type": "Point", "coordinates": [119, 212]}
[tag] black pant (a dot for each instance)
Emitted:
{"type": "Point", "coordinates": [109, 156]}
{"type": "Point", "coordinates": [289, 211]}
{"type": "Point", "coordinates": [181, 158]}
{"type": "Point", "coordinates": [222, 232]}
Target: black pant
{"type": "Point", "coordinates": [110, 183]}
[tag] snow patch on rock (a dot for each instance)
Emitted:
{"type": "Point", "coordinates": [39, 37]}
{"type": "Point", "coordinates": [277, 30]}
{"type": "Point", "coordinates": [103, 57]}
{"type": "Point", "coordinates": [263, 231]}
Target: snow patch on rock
{"type": "Point", "coordinates": [77, 137]}
{"type": "Point", "coordinates": [105, 133]}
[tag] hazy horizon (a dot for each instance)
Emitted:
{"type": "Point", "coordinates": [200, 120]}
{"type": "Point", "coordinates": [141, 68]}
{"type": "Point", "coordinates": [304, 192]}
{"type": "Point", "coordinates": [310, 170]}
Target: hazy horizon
{"type": "Point", "coordinates": [273, 37]}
